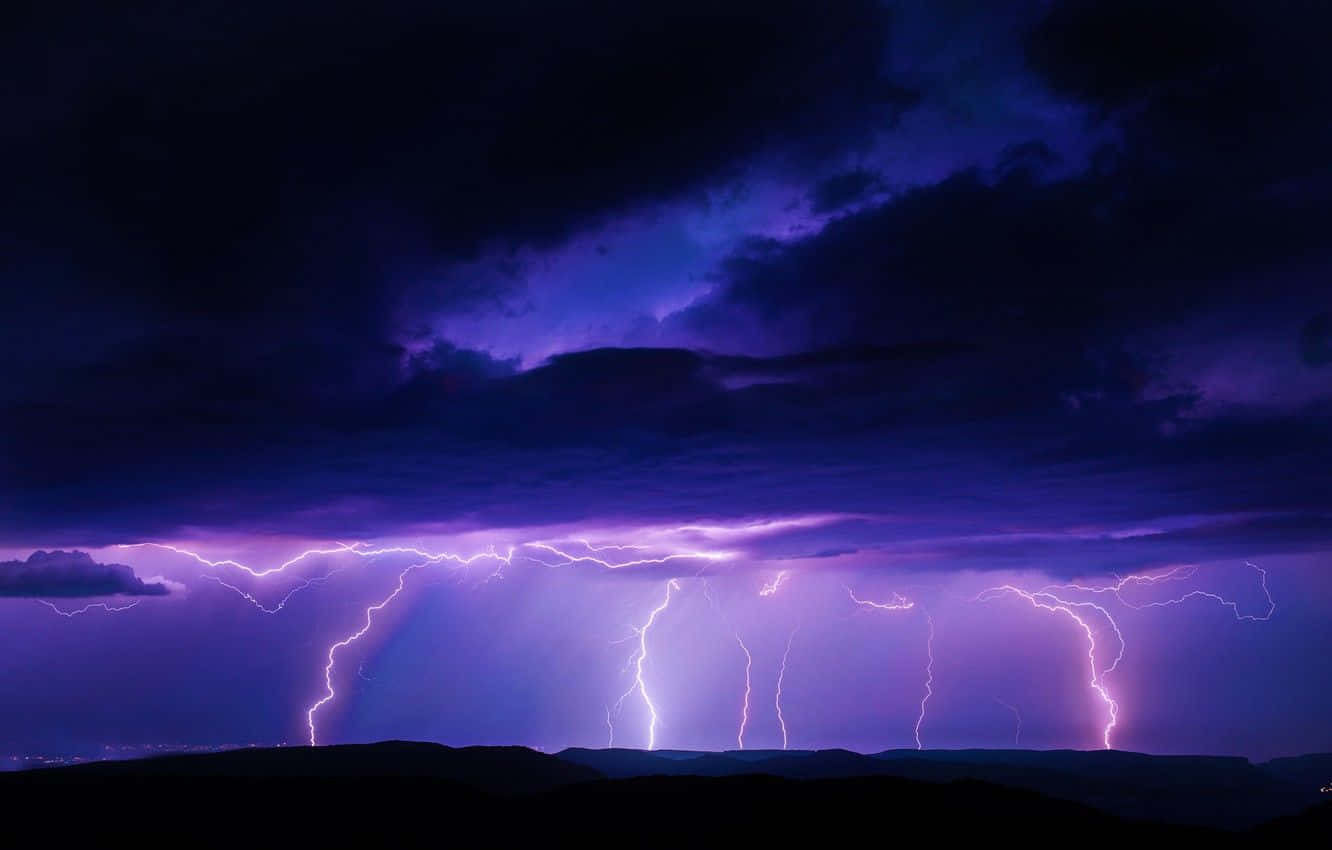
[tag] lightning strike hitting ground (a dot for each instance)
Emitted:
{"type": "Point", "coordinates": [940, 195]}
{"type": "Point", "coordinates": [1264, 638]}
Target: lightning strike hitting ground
{"type": "Point", "coordinates": [641, 656]}
{"type": "Point", "coordinates": [929, 678]}
{"type": "Point", "coordinates": [1054, 598]}
{"type": "Point", "coordinates": [744, 711]}
{"type": "Point", "coordinates": [781, 676]}
{"type": "Point", "coordinates": [329, 692]}
{"type": "Point", "coordinates": [1047, 601]}
{"type": "Point", "coordinates": [1017, 733]}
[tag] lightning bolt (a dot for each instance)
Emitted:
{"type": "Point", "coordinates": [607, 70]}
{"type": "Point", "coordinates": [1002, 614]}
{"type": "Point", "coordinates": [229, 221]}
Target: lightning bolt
{"type": "Point", "coordinates": [571, 558]}
{"type": "Point", "coordinates": [744, 715]}
{"type": "Point", "coordinates": [929, 678]}
{"type": "Point", "coordinates": [781, 676]}
{"type": "Point", "coordinates": [641, 656]}
{"type": "Point", "coordinates": [329, 692]}
{"type": "Point", "coordinates": [282, 603]}
{"type": "Point", "coordinates": [1017, 734]}
{"type": "Point", "coordinates": [1177, 574]}
{"type": "Point", "coordinates": [1046, 600]}
{"type": "Point", "coordinates": [260, 573]}
{"type": "Point", "coordinates": [339, 549]}
{"type": "Point", "coordinates": [898, 602]}
{"type": "Point", "coordinates": [770, 588]}
{"type": "Point", "coordinates": [110, 609]}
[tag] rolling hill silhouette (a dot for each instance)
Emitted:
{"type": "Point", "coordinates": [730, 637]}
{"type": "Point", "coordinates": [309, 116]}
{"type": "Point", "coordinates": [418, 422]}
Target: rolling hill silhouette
{"type": "Point", "coordinates": [1201, 790]}
{"type": "Point", "coordinates": [407, 792]}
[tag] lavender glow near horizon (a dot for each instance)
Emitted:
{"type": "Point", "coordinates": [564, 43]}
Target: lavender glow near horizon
{"type": "Point", "coordinates": [453, 629]}
{"type": "Point", "coordinates": [885, 375]}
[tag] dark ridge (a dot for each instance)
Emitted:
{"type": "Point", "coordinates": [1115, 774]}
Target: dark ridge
{"type": "Point", "coordinates": [399, 791]}
{"type": "Point", "coordinates": [1223, 792]}
{"type": "Point", "coordinates": [497, 770]}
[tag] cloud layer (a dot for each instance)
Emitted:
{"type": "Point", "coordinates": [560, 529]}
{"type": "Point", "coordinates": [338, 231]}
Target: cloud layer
{"type": "Point", "coordinates": [71, 574]}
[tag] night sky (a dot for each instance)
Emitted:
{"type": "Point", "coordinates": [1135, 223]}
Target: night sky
{"type": "Point", "coordinates": [611, 352]}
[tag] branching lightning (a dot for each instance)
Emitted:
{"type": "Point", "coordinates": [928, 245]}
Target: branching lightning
{"type": "Point", "coordinates": [1176, 574]}
{"type": "Point", "coordinates": [637, 660]}
{"type": "Point", "coordinates": [1046, 600]}
{"type": "Point", "coordinates": [329, 692]}
{"type": "Point", "coordinates": [1070, 600]}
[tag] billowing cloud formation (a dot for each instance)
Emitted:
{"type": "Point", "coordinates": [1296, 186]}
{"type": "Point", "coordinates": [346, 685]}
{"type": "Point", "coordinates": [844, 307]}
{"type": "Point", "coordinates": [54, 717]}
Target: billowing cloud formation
{"type": "Point", "coordinates": [70, 574]}
{"type": "Point", "coordinates": [799, 304]}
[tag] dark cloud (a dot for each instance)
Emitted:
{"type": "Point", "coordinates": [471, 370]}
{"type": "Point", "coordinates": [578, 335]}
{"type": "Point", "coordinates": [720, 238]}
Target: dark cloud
{"type": "Point", "coordinates": [309, 158]}
{"type": "Point", "coordinates": [230, 234]}
{"type": "Point", "coordinates": [66, 574]}
{"type": "Point", "coordinates": [1316, 340]}
{"type": "Point", "coordinates": [842, 190]}
{"type": "Point", "coordinates": [1114, 51]}
{"type": "Point", "coordinates": [1092, 554]}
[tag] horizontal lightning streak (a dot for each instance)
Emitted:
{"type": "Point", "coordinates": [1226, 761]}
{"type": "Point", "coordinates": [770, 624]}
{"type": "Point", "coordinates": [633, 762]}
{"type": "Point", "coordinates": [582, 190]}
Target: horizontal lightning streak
{"type": "Point", "coordinates": [107, 607]}
{"type": "Point", "coordinates": [898, 602]}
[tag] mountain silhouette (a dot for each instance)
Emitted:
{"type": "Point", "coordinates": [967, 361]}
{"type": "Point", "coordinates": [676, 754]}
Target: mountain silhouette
{"type": "Point", "coordinates": [406, 792]}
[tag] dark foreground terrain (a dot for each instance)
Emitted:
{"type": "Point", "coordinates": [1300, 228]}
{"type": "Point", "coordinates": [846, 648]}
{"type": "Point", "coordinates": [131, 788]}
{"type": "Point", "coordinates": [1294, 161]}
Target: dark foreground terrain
{"type": "Point", "coordinates": [429, 794]}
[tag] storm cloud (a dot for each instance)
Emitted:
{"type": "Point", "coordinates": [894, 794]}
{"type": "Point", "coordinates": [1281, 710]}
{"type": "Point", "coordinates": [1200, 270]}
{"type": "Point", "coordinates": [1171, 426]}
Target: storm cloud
{"type": "Point", "coordinates": [71, 574]}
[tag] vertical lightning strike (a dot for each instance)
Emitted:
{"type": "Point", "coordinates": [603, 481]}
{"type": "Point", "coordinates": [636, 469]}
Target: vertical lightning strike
{"type": "Point", "coordinates": [610, 727]}
{"type": "Point", "coordinates": [107, 607]}
{"type": "Point", "coordinates": [744, 711]}
{"type": "Point", "coordinates": [1017, 733]}
{"type": "Point", "coordinates": [1066, 607]}
{"type": "Point", "coordinates": [431, 559]}
{"type": "Point", "coordinates": [781, 676]}
{"type": "Point", "coordinates": [638, 659]}
{"type": "Point", "coordinates": [329, 692]}
{"type": "Point", "coordinates": [929, 678]}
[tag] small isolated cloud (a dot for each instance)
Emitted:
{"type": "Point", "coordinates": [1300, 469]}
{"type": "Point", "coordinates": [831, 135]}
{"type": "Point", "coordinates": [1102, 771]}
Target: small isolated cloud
{"type": "Point", "coordinates": [69, 574]}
